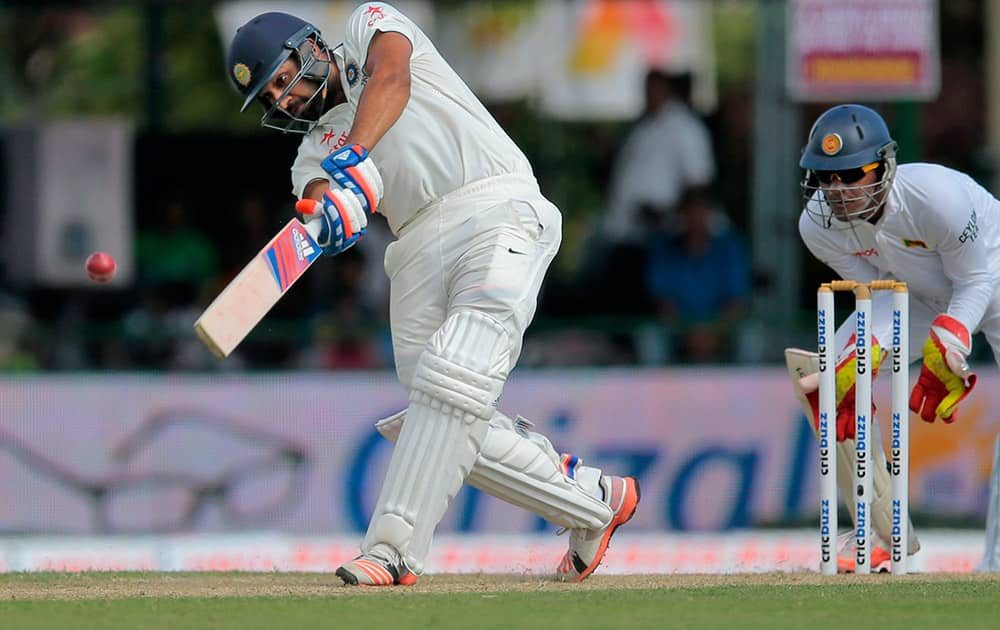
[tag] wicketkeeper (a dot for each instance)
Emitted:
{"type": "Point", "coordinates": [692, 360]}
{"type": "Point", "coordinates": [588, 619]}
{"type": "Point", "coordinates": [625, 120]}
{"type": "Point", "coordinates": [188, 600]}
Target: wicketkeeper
{"type": "Point", "coordinates": [475, 237]}
{"type": "Point", "coordinates": [932, 227]}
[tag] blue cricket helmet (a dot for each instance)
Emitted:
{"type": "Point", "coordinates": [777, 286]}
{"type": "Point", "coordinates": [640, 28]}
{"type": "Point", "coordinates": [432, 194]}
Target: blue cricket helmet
{"type": "Point", "coordinates": [845, 143]}
{"type": "Point", "coordinates": [845, 137]}
{"type": "Point", "coordinates": [260, 46]}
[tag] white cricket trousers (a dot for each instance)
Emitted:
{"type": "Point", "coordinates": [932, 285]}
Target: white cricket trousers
{"type": "Point", "coordinates": [484, 247]}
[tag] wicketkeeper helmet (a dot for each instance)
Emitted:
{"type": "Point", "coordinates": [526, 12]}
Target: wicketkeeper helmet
{"type": "Point", "coordinates": [845, 137]}
{"type": "Point", "coordinates": [845, 143]}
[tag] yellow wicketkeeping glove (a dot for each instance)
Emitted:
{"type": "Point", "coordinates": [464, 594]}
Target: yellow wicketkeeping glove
{"type": "Point", "coordinates": [945, 379]}
{"type": "Point", "coordinates": [846, 379]}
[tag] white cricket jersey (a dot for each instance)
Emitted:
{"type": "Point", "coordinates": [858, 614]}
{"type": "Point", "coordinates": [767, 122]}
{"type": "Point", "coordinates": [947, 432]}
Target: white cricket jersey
{"type": "Point", "coordinates": [939, 233]}
{"type": "Point", "coordinates": [335, 124]}
{"type": "Point", "coordinates": [444, 139]}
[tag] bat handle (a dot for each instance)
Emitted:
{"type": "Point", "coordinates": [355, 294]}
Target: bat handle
{"type": "Point", "coordinates": [314, 228]}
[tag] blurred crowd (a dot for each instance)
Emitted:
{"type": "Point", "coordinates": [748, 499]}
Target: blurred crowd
{"type": "Point", "coordinates": [655, 263]}
{"type": "Point", "coordinates": [664, 277]}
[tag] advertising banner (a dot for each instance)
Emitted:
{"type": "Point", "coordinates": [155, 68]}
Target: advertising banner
{"type": "Point", "coordinates": [580, 60]}
{"type": "Point", "coordinates": [69, 191]}
{"type": "Point", "coordinates": [715, 450]}
{"type": "Point", "coordinates": [860, 50]}
{"type": "Point", "coordinates": [791, 551]}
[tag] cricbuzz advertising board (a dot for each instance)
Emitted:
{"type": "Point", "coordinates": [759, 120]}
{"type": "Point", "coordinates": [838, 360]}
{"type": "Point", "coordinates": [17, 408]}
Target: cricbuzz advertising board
{"type": "Point", "coordinates": [715, 449]}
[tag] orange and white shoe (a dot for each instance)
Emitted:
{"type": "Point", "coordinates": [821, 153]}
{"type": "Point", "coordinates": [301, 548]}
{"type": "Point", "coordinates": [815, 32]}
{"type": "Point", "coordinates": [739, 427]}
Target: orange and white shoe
{"type": "Point", "coordinates": [372, 570]}
{"type": "Point", "coordinates": [881, 559]}
{"type": "Point", "coordinates": [588, 546]}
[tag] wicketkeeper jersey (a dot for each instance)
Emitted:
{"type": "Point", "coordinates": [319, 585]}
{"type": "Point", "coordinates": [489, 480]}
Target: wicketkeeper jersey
{"type": "Point", "coordinates": [939, 233]}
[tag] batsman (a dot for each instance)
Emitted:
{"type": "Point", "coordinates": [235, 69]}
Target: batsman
{"type": "Point", "coordinates": [927, 225]}
{"type": "Point", "coordinates": [388, 126]}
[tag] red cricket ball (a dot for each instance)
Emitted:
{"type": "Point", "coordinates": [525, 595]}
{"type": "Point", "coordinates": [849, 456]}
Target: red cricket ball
{"type": "Point", "coordinates": [101, 266]}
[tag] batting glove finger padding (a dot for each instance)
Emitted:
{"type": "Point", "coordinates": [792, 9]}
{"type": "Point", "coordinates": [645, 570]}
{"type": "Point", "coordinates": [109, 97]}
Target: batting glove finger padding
{"type": "Point", "coordinates": [353, 170]}
{"type": "Point", "coordinates": [945, 378]}
{"type": "Point", "coordinates": [343, 220]}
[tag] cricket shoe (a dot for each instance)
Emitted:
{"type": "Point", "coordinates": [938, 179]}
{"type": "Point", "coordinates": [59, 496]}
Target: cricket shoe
{"type": "Point", "coordinates": [588, 546]}
{"type": "Point", "coordinates": [371, 570]}
{"type": "Point", "coordinates": [880, 561]}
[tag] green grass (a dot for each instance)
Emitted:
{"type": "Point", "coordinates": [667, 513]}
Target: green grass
{"type": "Point", "coordinates": [879, 603]}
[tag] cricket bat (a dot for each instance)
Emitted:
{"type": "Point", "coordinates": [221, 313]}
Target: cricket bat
{"type": "Point", "coordinates": [258, 287]}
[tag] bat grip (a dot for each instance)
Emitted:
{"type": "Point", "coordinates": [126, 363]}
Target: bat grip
{"type": "Point", "coordinates": [314, 228]}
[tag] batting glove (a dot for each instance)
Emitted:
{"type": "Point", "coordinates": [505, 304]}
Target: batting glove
{"type": "Point", "coordinates": [945, 379]}
{"type": "Point", "coordinates": [846, 374]}
{"type": "Point", "coordinates": [352, 170]}
{"type": "Point", "coordinates": [344, 221]}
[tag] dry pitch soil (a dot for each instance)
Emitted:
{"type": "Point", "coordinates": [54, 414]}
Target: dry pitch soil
{"type": "Point", "coordinates": [176, 585]}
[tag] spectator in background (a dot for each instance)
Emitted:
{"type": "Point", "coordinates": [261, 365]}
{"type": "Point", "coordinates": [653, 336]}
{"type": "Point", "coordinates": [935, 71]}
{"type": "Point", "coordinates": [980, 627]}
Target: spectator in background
{"type": "Point", "coordinates": [174, 257]}
{"type": "Point", "coordinates": [346, 332]}
{"type": "Point", "coordinates": [149, 334]}
{"type": "Point", "coordinates": [668, 150]}
{"type": "Point", "coordinates": [17, 350]}
{"type": "Point", "coordinates": [698, 276]}
{"type": "Point", "coordinates": [258, 222]}
{"type": "Point", "coordinates": [176, 264]}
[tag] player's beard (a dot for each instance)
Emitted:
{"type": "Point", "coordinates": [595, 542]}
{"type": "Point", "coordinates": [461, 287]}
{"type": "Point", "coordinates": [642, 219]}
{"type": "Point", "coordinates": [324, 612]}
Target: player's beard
{"type": "Point", "coordinates": [314, 109]}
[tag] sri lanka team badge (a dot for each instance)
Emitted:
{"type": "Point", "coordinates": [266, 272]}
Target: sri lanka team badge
{"type": "Point", "coordinates": [242, 74]}
{"type": "Point", "coordinates": [352, 74]}
{"type": "Point", "coordinates": [832, 143]}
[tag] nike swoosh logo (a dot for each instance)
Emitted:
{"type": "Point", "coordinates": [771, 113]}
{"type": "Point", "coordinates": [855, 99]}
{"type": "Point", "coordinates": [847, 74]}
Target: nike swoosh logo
{"type": "Point", "coordinates": [514, 251]}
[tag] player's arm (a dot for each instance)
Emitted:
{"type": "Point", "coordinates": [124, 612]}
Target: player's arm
{"type": "Point", "coordinates": [336, 217]}
{"type": "Point", "coordinates": [387, 90]}
{"type": "Point", "coordinates": [966, 263]}
{"type": "Point", "coordinates": [945, 377]}
{"type": "Point", "coordinates": [358, 188]}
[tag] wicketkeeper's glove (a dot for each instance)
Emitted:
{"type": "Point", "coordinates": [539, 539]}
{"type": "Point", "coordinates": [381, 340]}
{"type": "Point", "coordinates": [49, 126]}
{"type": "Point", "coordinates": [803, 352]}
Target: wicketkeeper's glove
{"type": "Point", "coordinates": [846, 374]}
{"type": "Point", "coordinates": [352, 170]}
{"type": "Point", "coordinates": [945, 379]}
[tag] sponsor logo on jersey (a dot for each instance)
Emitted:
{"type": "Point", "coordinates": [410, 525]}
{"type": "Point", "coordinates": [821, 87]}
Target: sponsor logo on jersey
{"type": "Point", "coordinates": [338, 141]}
{"type": "Point", "coordinates": [908, 243]}
{"type": "Point", "coordinates": [374, 14]}
{"type": "Point", "coordinates": [352, 74]}
{"type": "Point", "coordinates": [832, 143]}
{"type": "Point", "coordinates": [971, 230]}
{"type": "Point", "coordinates": [866, 253]}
